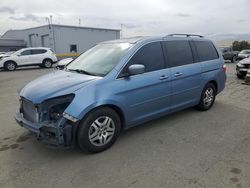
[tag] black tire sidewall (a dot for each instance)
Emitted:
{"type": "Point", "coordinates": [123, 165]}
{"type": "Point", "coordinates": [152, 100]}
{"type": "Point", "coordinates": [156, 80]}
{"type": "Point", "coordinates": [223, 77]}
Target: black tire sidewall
{"type": "Point", "coordinates": [83, 130]}
{"type": "Point", "coordinates": [44, 61]}
{"type": "Point", "coordinates": [7, 63]}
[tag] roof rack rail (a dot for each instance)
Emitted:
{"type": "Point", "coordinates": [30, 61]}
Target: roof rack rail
{"type": "Point", "coordinates": [187, 35]}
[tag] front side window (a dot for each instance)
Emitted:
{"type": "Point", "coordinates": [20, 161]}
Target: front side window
{"type": "Point", "coordinates": [206, 50]}
{"type": "Point", "coordinates": [99, 60]}
{"type": "Point", "coordinates": [26, 52]}
{"type": "Point", "coordinates": [150, 56]}
{"type": "Point", "coordinates": [38, 51]}
{"type": "Point", "coordinates": [179, 53]}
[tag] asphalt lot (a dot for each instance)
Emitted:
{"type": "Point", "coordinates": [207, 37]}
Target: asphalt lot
{"type": "Point", "coordinates": [186, 149]}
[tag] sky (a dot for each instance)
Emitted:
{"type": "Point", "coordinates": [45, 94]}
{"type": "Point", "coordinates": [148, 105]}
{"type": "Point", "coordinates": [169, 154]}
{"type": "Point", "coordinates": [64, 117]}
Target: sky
{"type": "Point", "coordinates": [138, 17]}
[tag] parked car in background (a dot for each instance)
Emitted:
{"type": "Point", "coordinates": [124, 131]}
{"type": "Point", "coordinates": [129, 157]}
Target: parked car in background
{"type": "Point", "coordinates": [243, 54]}
{"type": "Point", "coordinates": [242, 67]}
{"type": "Point", "coordinates": [63, 62]}
{"type": "Point", "coordinates": [229, 54]}
{"type": "Point", "coordinates": [42, 57]}
{"type": "Point", "coordinates": [120, 84]}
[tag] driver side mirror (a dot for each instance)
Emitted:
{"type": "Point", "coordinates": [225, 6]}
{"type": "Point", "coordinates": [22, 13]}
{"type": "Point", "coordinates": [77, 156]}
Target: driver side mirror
{"type": "Point", "coordinates": [136, 69]}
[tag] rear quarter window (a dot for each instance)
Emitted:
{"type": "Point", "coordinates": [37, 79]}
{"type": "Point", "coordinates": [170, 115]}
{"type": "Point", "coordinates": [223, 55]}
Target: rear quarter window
{"type": "Point", "coordinates": [206, 50]}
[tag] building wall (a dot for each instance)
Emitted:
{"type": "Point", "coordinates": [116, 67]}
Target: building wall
{"type": "Point", "coordinates": [33, 36]}
{"type": "Point", "coordinates": [11, 44]}
{"type": "Point", "coordinates": [63, 37]}
{"type": "Point", "coordinates": [83, 38]}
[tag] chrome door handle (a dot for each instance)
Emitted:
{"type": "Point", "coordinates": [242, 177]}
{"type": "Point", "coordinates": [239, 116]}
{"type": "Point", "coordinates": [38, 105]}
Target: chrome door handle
{"type": "Point", "coordinates": [163, 77]}
{"type": "Point", "coordinates": [178, 74]}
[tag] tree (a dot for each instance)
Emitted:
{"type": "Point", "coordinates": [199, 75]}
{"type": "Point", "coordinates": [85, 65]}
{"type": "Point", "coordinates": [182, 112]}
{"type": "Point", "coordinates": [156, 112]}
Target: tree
{"type": "Point", "coordinates": [241, 45]}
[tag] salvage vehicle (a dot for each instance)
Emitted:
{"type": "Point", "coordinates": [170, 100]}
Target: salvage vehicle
{"type": "Point", "coordinates": [63, 62]}
{"type": "Point", "coordinates": [40, 56]}
{"type": "Point", "coordinates": [243, 54]}
{"type": "Point", "coordinates": [229, 54]}
{"type": "Point", "coordinates": [242, 67]}
{"type": "Point", "coordinates": [119, 84]}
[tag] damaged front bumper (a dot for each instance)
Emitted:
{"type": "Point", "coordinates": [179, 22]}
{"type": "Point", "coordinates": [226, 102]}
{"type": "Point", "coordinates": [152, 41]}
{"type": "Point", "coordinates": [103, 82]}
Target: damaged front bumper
{"type": "Point", "coordinates": [60, 134]}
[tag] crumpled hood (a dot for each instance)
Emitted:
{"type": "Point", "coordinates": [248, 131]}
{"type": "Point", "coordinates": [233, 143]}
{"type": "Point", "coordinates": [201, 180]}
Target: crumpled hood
{"type": "Point", "coordinates": [245, 61]}
{"type": "Point", "coordinates": [243, 55]}
{"type": "Point", "coordinates": [55, 84]}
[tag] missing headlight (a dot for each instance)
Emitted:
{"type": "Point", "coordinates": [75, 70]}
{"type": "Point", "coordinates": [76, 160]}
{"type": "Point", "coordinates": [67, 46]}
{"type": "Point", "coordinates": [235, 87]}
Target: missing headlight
{"type": "Point", "coordinates": [53, 109]}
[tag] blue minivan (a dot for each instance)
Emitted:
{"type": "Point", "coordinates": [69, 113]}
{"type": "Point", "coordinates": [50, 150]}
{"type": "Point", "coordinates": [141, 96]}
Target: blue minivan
{"type": "Point", "coordinates": [120, 84]}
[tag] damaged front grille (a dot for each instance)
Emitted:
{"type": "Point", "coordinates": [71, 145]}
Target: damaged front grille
{"type": "Point", "coordinates": [29, 110]}
{"type": "Point", "coordinates": [247, 66]}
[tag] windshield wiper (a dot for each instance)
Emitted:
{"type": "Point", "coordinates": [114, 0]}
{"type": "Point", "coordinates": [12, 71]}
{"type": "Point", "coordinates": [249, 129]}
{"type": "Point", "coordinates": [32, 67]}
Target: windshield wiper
{"type": "Point", "coordinates": [82, 71]}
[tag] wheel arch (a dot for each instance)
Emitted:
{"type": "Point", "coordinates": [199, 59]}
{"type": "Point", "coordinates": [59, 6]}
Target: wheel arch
{"type": "Point", "coordinates": [214, 83]}
{"type": "Point", "coordinates": [116, 108]}
{"type": "Point", "coordinates": [47, 58]}
{"type": "Point", "coordinates": [9, 61]}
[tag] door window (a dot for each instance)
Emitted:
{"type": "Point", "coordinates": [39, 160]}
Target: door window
{"type": "Point", "coordinates": [178, 53]}
{"type": "Point", "coordinates": [150, 56]}
{"type": "Point", "coordinates": [38, 51]}
{"type": "Point", "coordinates": [26, 52]}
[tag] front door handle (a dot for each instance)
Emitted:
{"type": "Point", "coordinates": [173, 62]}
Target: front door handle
{"type": "Point", "coordinates": [178, 74]}
{"type": "Point", "coordinates": [163, 77]}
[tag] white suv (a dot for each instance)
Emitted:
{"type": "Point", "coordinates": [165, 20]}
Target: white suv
{"type": "Point", "coordinates": [42, 57]}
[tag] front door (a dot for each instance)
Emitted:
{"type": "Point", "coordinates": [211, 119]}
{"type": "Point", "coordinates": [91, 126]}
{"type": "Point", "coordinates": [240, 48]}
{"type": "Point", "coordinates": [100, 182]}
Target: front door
{"type": "Point", "coordinates": [25, 57]}
{"type": "Point", "coordinates": [146, 95]}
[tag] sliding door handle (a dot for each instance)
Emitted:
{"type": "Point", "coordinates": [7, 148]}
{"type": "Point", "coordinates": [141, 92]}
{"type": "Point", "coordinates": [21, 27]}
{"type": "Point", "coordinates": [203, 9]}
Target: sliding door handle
{"type": "Point", "coordinates": [163, 77]}
{"type": "Point", "coordinates": [178, 74]}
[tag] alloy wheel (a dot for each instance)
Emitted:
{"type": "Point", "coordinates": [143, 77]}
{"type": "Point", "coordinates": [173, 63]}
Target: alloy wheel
{"type": "Point", "coordinates": [101, 131]}
{"type": "Point", "coordinates": [208, 97]}
{"type": "Point", "coordinates": [47, 63]}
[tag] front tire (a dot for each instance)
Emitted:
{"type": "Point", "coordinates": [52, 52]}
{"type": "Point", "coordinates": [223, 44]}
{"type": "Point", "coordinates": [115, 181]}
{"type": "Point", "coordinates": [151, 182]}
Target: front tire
{"type": "Point", "coordinates": [10, 66]}
{"type": "Point", "coordinates": [207, 97]}
{"type": "Point", "coordinates": [99, 130]}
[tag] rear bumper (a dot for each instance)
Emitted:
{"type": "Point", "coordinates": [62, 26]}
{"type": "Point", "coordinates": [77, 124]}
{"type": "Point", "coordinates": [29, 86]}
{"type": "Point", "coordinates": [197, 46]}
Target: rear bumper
{"type": "Point", "coordinates": [61, 133]}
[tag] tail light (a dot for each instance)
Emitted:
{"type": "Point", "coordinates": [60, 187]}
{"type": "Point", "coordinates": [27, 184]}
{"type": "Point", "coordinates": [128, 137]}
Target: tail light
{"type": "Point", "coordinates": [224, 67]}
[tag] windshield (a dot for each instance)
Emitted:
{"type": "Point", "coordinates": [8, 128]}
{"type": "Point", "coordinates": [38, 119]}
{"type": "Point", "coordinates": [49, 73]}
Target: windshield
{"type": "Point", "coordinates": [99, 60]}
{"type": "Point", "coordinates": [245, 52]}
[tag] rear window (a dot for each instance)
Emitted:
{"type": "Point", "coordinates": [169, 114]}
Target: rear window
{"type": "Point", "coordinates": [179, 53]}
{"type": "Point", "coordinates": [206, 50]}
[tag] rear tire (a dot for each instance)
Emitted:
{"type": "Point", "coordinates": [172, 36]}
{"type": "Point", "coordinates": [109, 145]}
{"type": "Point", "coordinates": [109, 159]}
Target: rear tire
{"type": "Point", "coordinates": [99, 130]}
{"type": "Point", "coordinates": [10, 66]}
{"type": "Point", "coordinates": [47, 63]}
{"type": "Point", "coordinates": [207, 97]}
{"type": "Point", "coordinates": [234, 59]}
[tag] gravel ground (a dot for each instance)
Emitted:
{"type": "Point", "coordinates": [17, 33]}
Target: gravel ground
{"type": "Point", "coordinates": [186, 149]}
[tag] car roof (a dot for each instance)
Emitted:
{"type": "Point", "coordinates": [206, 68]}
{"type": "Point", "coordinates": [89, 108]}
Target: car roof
{"type": "Point", "coordinates": [36, 48]}
{"type": "Point", "coordinates": [138, 39]}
